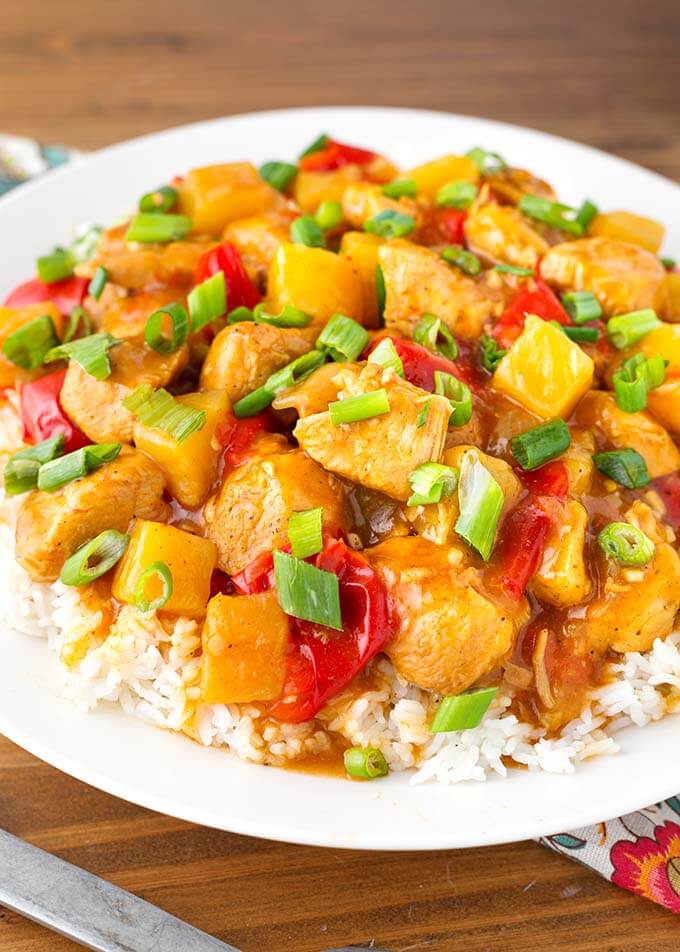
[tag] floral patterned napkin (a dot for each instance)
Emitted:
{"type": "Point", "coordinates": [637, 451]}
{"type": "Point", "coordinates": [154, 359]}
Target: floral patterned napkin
{"type": "Point", "coordinates": [640, 851]}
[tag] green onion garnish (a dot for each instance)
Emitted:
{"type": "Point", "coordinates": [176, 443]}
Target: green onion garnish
{"type": "Point", "coordinates": [319, 143]}
{"type": "Point", "coordinates": [582, 335]}
{"type": "Point", "coordinates": [207, 301]}
{"type": "Point", "coordinates": [95, 558]}
{"type": "Point", "coordinates": [463, 259]}
{"type": "Point", "coordinates": [462, 712]}
{"type": "Point", "coordinates": [585, 214]}
{"type": "Point", "coordinates": [385, 354]}
{"type": "Point", "coordinates": [481, 502]}
{"type": "Point", "coordinates": [342, 338]}
{"type": "Point", "coordinates": [514, 269]}
{"type": "Point", "coordinates": [294, 372]}
{"type": "Point", "coordinates": [153, 332]}
{"type": "Point", "coordinates": [582, 306]}
{"type": "Point", "coordinates": [381, 293]}
{"type": "Point", "coordinates": [487, 162]}
{"type": "Point", "coordinates": [21, 471]}
{"type": "Point", "coordinates": [625, 544]}
{"type": "Point", "coordinates": [458, 194]}
{"type": "Point", "coordinates": [626, 467]}
{"type": "Point", "coordinates": [77, 318]}
{"type": "Point", "coordinates": [551, 213]}
{"type": "Point", "coordinates": [307, 231]}
{"type": "Point", "coordinates": [540, 444]}
{"type": "Point", "coordinates": [422, 416]}
{"type": "Point", "coordinates": [55, 267]}
{"type": "Point", "coordinates": [29, 346]}
{"type": "Point", "coordinates": [153, 227]}
{"type": "Point", "coordinates": [329, 215]}
{"type": "Point", "coordinates": [626, 330]}
{"type": "Point", "coordinates": [432, 482]}
{"type": "Point", "coordinates": [98, 282]}
{"type": "Point", "coordinates": [365, 763]}
{"type": "Point", "coordinates": [635, 378]}
{"type": "Point", "coordinates": [668, 263]}
{"type": "Point", "coordinates": [58, 472]}
{"type": "Point", "coordinates": [157, 571]}
{"type": "Point", "coordinates": [431, 332]}
{"type": "Point", "coordinates": [278, 174]}
{"type": "Point", "coordinates": [458, 394]}
{"type": "Point", "coordinates": [305, 532]}
{"type": "Point", "coordinates": [240, 314]}
{"type": "Point", "coordinates": [400, 188]}
{"type": "Point", "coordinates": [289, 316]}
{"type": "Point", "coordinates": [160, 201]}
{"type": "Point", "coordinates": [92, 353]}
{"type": "Point", "coordinates": [490, 353]}
{"type": "Point", "coordinates": [390, 224]}
{"type": "Point", "coordinates": [307, 592]}
{"type": "Point", "coordinates": [363, 406]}
{"type": "Point", "coordinates": [159, 409]}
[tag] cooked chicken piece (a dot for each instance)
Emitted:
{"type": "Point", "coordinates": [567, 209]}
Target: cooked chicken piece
{"type": "Point", "coordinates": [142, 266]}
{"type": "Point", "coordinates": [381, 452]}
{"type": "Point", "coordinates": [562, 579]}
{"type": "Point", "coordinates": [249, 515]}
{"type": "Point", "coordinates": [418, 281]}
{"type": "Point", "coordinates": [51, 526]}
{"type": "Point", "coordinates": [243, 355]}
{"type": "Point", "coordinates": [510, 184]}
{"type": "Point", "coordinates": [363, 200]}
{"type": "Point", "coordinates": [503, 235]}
{"type": "Point", "coordinates": [315, 393]}
{"type": "Point", "coordinates": [449, 634]}
{"type": "Point", "coordinates": [578, 458]}
{"type": "Point", "coordinates": [639, 431]}
{"type": "Point", "coordinates": [257, 239]}
{"type": "Point", "coordinates": [96, 406]}
{"type": "Point", "coordinates": [126, 317]}
{"type": "Point", "coordinates": [622, 277]}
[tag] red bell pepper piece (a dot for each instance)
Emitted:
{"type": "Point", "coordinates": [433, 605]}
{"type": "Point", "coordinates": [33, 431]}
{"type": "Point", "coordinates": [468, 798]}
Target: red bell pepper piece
{"type": "Point", "coordinates": [241, 292]}
{"type": "Point", "coordinates": [237, 436]}
{"type": "Point", "coordinates": [450, 222]}
{"type": "Point", "coordinates": [668, 487]}
{"type": "Point", "coordinates": [42, 415]}
{"type": "Point", "coordinates": [64, 294]}
{"type": "Point", "coordinates": [334, 155]}
{"type": "Point", "coordinates": [420, 363]}
{"type": "Point", "coordinates": [551, 479]}
{"type": "Point", "coordinates": [524, 533]}
{"type": "Point", "coordinates": [537, 299]}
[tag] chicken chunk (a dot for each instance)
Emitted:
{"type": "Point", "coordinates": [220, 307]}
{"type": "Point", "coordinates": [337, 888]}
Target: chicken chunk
{"type": "Point", "coordinates": [378, 453]}
{"type": "Point", "coordinates": [126, 317]}
{"type": "Point", "coordinates": [419, 281]}
{"type": "Point", "coordinates": [257, 239]}
{"type": "Point", "coordinates": [503, 235]}
{"type": "Point", "coordinates": [562, 579]}
{"type": "Point", "coordinates": [243, 355]}
{"type": "Point", "coordinates": [51, 526]}
{"type": "Point", "coordinates": [510, 184]}
{"type": "Point", "coordinates": [449, 634]}
{"type": "Point", "coordinates": [144, 266]}
{"type": "Point", "coordinates": [249, 515]}
{"type": "Point", "coordinates": [96, 406]}
{"type": "Point", "coordinates": [363, 200]}
{"type": "Point", "coordinates": [314, 393]}
{"type": "Point", "coordinates": [623, 277]}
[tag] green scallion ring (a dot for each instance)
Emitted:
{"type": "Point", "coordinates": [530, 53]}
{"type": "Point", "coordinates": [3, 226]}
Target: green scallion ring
{"type": "Point", "coordinates": [157, 570]}
{"type": "Point", "coordinates": [307, 231]}
{"type": "Point", "coordinates": [625, 544]}
{"type": "Point", "coordinates": [95, 558]}
{"type": "Point", "coordinates": [98, 282]}
{"type": "Point", "coordinates": [540, 444]}
{"type": "Point", "coordinates": [365, 763]}
{"type": "Point", "coordinates": [153, 332]}
{"type": "Point", "coordinates": [160, 201]}
{"type": "Point", "coordinates": [278, 174]}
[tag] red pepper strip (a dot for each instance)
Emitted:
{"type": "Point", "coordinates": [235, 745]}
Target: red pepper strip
{"type": "Point", "coordinates": [256, 577]}
{"type": "Point", "coordinates": [450, 222]}
{"type": "Point", "coordinates": [524, 533]}
{"type": "Point", "coordinates": [551, 479]}
{"type": "Point", "coordinates": [333, 156]}
{"type": "Point", "coordinates": [241, 292]}
{"type": "Point", "coordinates": [237, 436]}
{"type": "Point", "coordinates": [43, 416]}
{"type": "Point", "coordinates": [539, 300]}
{"type": "Point", "coordinates": [64, 294]}
{"type": "Point", "coordinates": [668, 487]}
{"type": "Point", "coordinates": [419, 362]}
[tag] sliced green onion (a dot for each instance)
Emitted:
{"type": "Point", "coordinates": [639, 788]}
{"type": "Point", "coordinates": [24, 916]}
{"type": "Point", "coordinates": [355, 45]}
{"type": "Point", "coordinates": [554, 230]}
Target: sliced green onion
{"type": "Point", "coordinates": [157, 571]}
{"type": "Point", "coordinates": [364, 406]}
{"type": "Point", "coordinates": [458, 394]}
{"type": "Point", "coordinates": [365, 763]}
{"type": "Point", "coordinates": [254, 402]}
{"type": "Point", "coordinates": [58, 472]}
{"type": "Point", "coordinates": [294, 372]}
{"type": "Point", "coordinates": [626, 330]}
{"type": "Point", "coordinates": [540, 444]}
{"type": "Point", "coordinates": [342, 338]}
{"type": "Point", "coordinates": [463, 259]}
{"type": "Point", "coordinates": [55, 267]}
{"type": "Point", "coordinates": [240, 314]}
{"type": "Point", "coordinates": [29, 346]}
{"type": "Point", "coordinates": [625, 544]}
{"type": "Point", "coordinates": [95, 558]}
{"type": "Point", "coordinates": [161, 200]}
{"type": "Point", "coordinates": [381, 293]}
{"type": "Point", "coordinates": [153, 227]}
{"type": "Point", "coordinates": [304, 591]}
{"type": "Point", "coordinates": [582, 306]}
{"type": "Point", "coordinates": [390, 224]}
{"type": "Point", "coordinates": [319, 143]}
{"type": "Point", "coordinates": [98, 282]}
{"type": "Point", "coordinates": [668, 263]}
{"type": "Point", "coordinates": [462, 712]}
{"type": "Point", "coordinates": [481, 502]}
{"type": "Point", "coordinates": [307, 231]}
{"type": "Point", "coordinates": [207, 301]}
{"type": "Point", "coordinates": [288, 317]}
{"type": "Point", "coordinates": [490, 353]}
{"type": "Point", "coordinates": [159, 409]}
{"type": "Point", "coordinates": [635, 378]}
{"type": "Point", "coordinates": [431, 332]}
{"type": "Point", "coordinates": [400, 188]}
{"type": "Point", "coordinates": [385, 354]}
{"type": "Point", "coordinates": [92, 353]}
{"type": "Point", "coordinates": [153, 332]}
{"type": "Point", "coordinates": [21, 471]}
{"type": "Point", "coordinates": [432, 482]}
{"type": "Point", "coordinates": [278, 174]}
{"type": "Point", "coordinates": [585, 214]}
{"type": "Point", "coordinates": [85, 244]}
{"type": "Point", "coordinates": [329, 215]}
{"type": "Point", "coordinates": [626, 467]}
{"type": "Point", "coordinates": [486, 162]}
{"type": "Point", "coordinates": [77, 317]}
{"type": "Point", "coordinates": [305, 532]}
{"type": "Point", "coordinates": [422, 416]}
{"type": "Point", "coordinates": [514, 269]}
{"type": "Point", "coordinates": [582, 335]}
{"type": "Point", "coordinates": [554, 214]}
{"type": "Point", "coordinates": [458, 194]}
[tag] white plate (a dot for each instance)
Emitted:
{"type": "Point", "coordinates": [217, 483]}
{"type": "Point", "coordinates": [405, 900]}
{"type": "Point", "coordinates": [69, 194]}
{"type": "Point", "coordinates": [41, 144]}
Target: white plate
{"type": "Point", "coordinates": [166, 772]}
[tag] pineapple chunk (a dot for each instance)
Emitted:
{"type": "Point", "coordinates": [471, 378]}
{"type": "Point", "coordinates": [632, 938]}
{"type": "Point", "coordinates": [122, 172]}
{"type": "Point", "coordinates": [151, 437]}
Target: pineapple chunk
{"type": "Point", "coordinates": [190, 558]}
{"type": "Point", "coordinates": [258, 238]}
{"type": "Point", "coordinates": [314, 280]}
{"type": "Point", "coordinates": [214, 195]}
{"type": "Point", "coordinates": [625, 226]}
{"type": "Point", "coordinates": [664, 404]}
{"type": "Point", "coordinates": [430, 177]}
{"type": "Point", "coordinates": [191, 466]}
{"type": "Point", "coordinates": [245, 639]}
{"type": "Point", "coordinates": [665, 342]}
{"type": "Point", "coordinates": [364, 200]}
{"type": "Point", "coordinates": [562, 578]}
{"type": "Point", "coordinates": [360, 249]}
{"type": "Point", "coordinates": [11, 320]}
{"type": "Point", "coordinates": [312, 188]}
{"type": "Point", "coordinates": [544, 371]}
{"type": "Point", "coordinates": [667, 297]}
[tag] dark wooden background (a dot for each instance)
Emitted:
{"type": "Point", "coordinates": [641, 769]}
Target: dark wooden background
{"type": "Point", "coordinates": [91, 73]}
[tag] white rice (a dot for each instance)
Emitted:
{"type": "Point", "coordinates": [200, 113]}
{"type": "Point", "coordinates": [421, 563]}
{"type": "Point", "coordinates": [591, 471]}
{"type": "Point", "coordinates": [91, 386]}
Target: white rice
{"type": "Point", "coordinates": [151, 669]}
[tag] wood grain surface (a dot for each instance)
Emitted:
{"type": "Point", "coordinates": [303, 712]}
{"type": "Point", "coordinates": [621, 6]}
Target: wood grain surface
{"type": "Point", "coordinates": [92, 73]}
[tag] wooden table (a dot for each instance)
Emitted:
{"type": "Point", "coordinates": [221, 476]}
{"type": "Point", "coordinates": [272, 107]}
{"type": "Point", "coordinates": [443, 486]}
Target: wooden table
{"type": "Point", "coordinates": [92, 73]}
